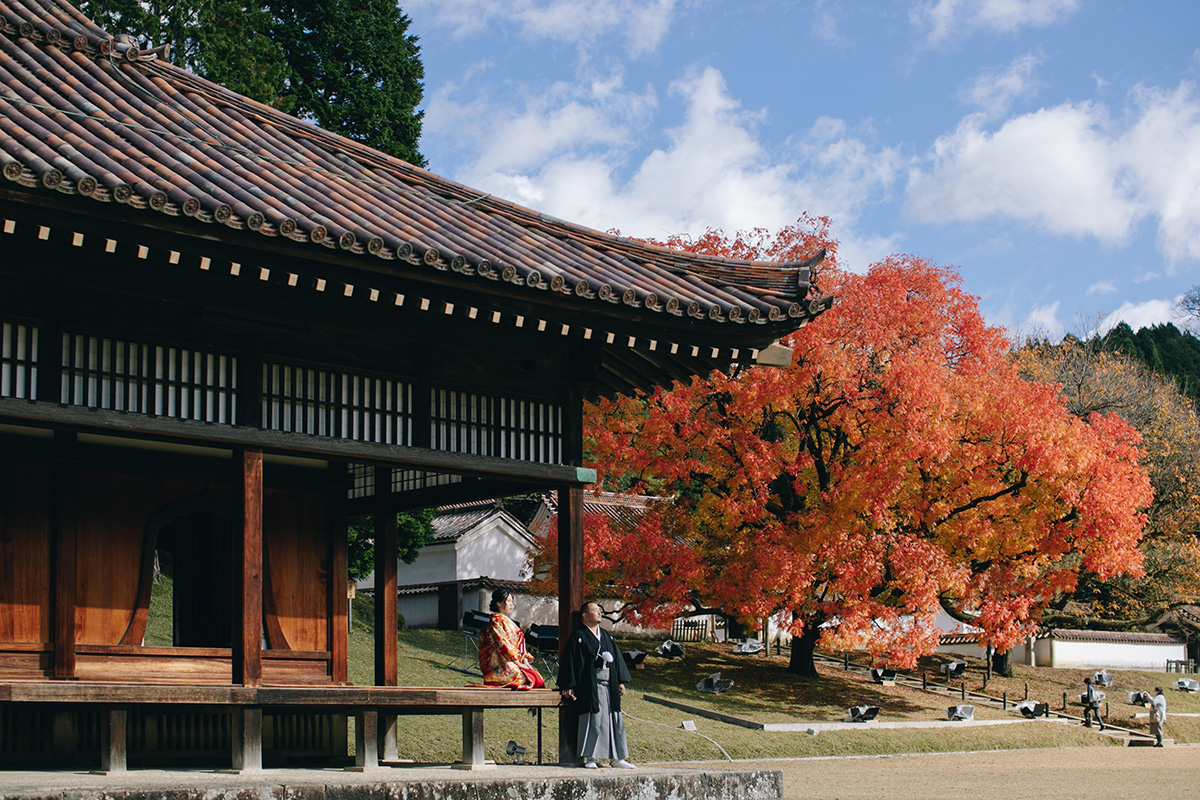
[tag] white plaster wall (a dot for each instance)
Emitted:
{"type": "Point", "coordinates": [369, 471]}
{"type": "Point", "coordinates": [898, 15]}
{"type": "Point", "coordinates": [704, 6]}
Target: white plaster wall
{"type": "Point", "coordinates": [434, 564]}
{"type": "Point", "coordinates": [1098, 655]}
{"type": "Point", "coordinates": [495, 551]}
{"type": "Point", "coordinates": [419, 610]}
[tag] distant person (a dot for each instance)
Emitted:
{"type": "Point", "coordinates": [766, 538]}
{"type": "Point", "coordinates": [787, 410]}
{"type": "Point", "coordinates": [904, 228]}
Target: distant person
{"type": "Point", "coordinates": [592, 665]}
{"type": "Point", "coordinates": [1158, 716]}
{"type": "Point", "coordinates": [1091, 704]}
{"type": "Point", "coordinates": [503, 658]}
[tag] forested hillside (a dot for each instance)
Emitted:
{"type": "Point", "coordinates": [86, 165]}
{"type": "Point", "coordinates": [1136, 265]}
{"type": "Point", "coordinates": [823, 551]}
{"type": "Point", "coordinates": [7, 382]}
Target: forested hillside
{"type": "Point", "coordinates": [1165, 349]}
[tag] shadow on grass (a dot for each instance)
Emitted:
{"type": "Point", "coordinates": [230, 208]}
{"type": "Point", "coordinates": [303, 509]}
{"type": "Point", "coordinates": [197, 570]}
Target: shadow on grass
{"type": "Point", "coordinates": [763, 686]}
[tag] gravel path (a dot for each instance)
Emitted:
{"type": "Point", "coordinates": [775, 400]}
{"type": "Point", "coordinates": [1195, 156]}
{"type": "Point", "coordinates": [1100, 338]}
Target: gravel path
{"type": "Point", "coordinates": [1127, 773]}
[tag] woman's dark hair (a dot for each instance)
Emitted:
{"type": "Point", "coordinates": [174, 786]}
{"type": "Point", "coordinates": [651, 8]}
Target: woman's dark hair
{"type": "Point", "coordinates": [498, 598]}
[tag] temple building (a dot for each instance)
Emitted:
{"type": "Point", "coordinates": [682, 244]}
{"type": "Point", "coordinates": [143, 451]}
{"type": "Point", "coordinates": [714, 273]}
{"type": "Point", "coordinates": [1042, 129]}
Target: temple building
{"type": "Point", "coordinates": [225, 332]}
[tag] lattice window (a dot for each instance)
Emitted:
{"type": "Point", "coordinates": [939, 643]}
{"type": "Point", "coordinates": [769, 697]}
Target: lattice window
{"type": "Point", "coordinates": [402, 480]}
{"type": "Point", "coordinates": [526, 430]}
{"type": "Point", "coordinates": [18, 360]}
{"type": "Point", "coordinates": [159, 380]}
{"type": "Point", "coordinates": [324, 402]}
{"type": "Point", "coordinates": [530, 430]}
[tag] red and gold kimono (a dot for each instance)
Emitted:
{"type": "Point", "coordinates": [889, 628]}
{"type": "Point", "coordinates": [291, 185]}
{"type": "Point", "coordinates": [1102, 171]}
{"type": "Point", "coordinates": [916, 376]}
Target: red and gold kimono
{"type": "Point", "coordinates": [503, 658]}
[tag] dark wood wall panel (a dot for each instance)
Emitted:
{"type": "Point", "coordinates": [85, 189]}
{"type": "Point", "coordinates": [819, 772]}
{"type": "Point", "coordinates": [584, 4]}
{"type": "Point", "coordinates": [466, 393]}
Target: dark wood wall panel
{"type": "Point", "coordinates": [24, 665]}
{"type": "Point", "coordinates": [24, 553]}
{"type": "Point", "coordinates": [187, 669]}
{"type": "Point", "coordinates": [297, 556]}
{"type": "Point", "coordinates": [113, 512]}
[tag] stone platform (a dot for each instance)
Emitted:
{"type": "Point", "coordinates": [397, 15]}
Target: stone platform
{"type": "Point", "coordinates": [506, 782]}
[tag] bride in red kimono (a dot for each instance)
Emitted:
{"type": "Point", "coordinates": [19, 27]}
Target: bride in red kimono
{"type": "Point", "coordinates": [502, 654]}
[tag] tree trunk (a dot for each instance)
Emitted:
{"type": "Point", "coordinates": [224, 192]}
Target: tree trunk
{"type": "Point", "coordinates": [801, 662]}
{"type": "Point", "coordinates": [1002, 664]}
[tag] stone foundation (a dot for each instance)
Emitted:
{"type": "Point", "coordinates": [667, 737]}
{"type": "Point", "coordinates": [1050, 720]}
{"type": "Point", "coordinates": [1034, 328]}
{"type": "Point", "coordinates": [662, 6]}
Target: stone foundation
{"type": "Point", "coordinates": [508, 782]}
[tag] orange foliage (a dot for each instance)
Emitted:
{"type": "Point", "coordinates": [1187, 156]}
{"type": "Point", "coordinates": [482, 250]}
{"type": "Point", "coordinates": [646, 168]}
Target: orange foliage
{"type": "Point", "coordinates": [899, 463]}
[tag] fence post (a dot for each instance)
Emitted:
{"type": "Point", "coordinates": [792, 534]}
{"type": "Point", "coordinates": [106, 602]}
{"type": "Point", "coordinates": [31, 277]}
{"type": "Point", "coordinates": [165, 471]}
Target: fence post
{"type": "Point", "coordinates": [1004, 702]}
{"type": "Point", "coordinates": [924, 681]}
{"type": "Point", "coordinates": [1064, 701]}
{"type": "Point", "coordinates": [1026, 690]}
{"type": "Point", "coordinates": [964, 691]}
{"type": "Point", "coordinates": [846, 662]}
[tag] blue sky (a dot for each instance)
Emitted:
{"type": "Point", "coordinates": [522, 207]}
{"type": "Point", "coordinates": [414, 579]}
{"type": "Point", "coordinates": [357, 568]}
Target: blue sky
{"type": "Point", "coordinates": [1048, 149]}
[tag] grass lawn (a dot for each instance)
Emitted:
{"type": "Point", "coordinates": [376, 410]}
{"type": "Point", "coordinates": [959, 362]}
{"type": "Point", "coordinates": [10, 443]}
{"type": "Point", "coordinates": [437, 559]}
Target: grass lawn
{"type": "Point", "coordinates": [763, 692]}
{"type": "Point", "coordinates": [1048, 685]}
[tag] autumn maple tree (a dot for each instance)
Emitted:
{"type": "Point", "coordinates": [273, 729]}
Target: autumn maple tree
{"type": "Point", "coordinates": [899, 465]}
{"type": "Point", "coordinates": [1095, 378]}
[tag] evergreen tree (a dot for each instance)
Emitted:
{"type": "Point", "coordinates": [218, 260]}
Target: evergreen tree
{"type": "Point", "coordinates": [349, 65]}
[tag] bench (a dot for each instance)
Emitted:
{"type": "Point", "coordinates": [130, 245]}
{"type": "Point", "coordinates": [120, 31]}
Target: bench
{"type": "Point", "coordinates": [246, 703]}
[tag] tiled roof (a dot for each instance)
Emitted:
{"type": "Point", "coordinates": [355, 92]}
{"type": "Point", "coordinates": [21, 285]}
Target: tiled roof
{"type": "Point", "coordinates": [93, 121]}
{"type": "Point", "coordinates": [1128, 637]}
{"type": "Point", "coordinates": [453, 521]}
{"type": "Point", "coordinates": [624, 509]}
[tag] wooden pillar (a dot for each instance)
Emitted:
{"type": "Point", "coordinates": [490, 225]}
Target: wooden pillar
{"type": "Point", "coordinates": [570, 561]}
{"type": "Point", "coordinates": [472, 732]}
{"type": "Point", "coordinates": [247, 568]}
{"type": "Point", "coordinates": [64, 523]}
{"type": "Point", "coordinates": [247, 739]}
{"type": "Point", "coordinates": [113, 722]}
{"type": "Point", "coordinates": [570, 544]}
{"type": "Point", "coordinates": [386, 556]}
{"type": "Point", "coordinates": [366, 740]}
{"type": "Point", "coordinates": [339, 622]}
{"type": "Point", "coordinates": [570, 598]}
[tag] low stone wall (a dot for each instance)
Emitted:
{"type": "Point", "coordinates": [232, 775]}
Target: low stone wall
{"type": "Point", "coordinates": [402, 783]}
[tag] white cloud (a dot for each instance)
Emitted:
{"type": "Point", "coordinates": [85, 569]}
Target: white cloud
{"type": "Point", "coordinates": [945, 20]}
{"type": "Point", "coordinates": [1101, 287]}
{"type": "Point", "coordinates": [643, 23]}
{"type": "Point", "coordinates": [995, 90]}
{"type": "Point", "coordinates": [1043, 320]}
{"type": "Point", "coordinates": [1163, 150]}
{"type": "Point", "coordinates": [566, 152]}
{"type": "Point", "coordinates": [1054, 168]}
{"type": "Point", "coordinates": [1141, 315]}
{"type": "Point", "coordinates": [1069, 170]}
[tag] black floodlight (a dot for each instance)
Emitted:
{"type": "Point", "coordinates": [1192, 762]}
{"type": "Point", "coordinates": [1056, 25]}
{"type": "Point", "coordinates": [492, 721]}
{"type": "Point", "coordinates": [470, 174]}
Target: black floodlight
{"type": "Point", "coordinates": [515, 749]}
{"type": "Point", "coordinates": [960, 713]}
{"type": "Point", "coordinates": [1097, 697]}
{"type": "Point", "coordinates": [1187, 685]}
{"type": "Point", "coordinates": [475, 621]}
{"type": "Point", "coordinates": [1031, 709]}
{"type": "Point", "coordinates": [862, 713]}
{"type": "Point", "coordinates": [714, 684]}
{"type": "Point", "coordinates": [543, 638]}
{"type": "Point", "coordinates": [883, 675]}
{"type": "Point", "coordinates": [633, 658]}
{"type": "Point", "coordinates": [955, 669]}
{"type": "Point", "coordinates": [748, 647]}
{"type": "Point", "coordinates": [669, 649]}
{"type": "Point", "coordinates": [1139, 698]}
{"type": "Point", "coordinates": [1103, 678]}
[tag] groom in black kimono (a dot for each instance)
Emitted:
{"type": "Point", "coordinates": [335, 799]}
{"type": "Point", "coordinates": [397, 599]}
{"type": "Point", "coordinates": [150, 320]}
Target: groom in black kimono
{"type": "Point", "coordinates": [592, 680]}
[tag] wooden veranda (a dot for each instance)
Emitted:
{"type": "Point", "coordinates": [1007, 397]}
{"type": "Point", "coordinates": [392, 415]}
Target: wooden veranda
{"type": "Point", "coordinates": [224, 332]}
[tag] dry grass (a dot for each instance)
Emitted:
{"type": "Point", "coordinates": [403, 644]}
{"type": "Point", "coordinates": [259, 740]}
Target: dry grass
{"type": "Point", "coordinates": [1049, 685]}
{"type": "Point", "coordinates": [763, 691]}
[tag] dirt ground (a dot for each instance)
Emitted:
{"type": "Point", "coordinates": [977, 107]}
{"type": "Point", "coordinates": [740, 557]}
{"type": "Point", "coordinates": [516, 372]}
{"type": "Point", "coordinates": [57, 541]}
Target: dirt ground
{"type": "Point", "coordinates": [1057, 774]}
